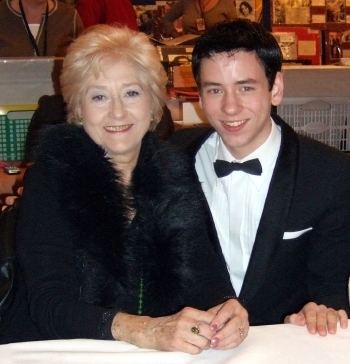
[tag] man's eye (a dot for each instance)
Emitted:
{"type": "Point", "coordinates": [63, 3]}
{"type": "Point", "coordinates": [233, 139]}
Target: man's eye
{"type": "Point", "coordinates": [247, 88]}
{"type": "Point", "coordinates": [213, 91]}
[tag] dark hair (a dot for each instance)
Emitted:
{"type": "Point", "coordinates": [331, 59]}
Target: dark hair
{"type": "Point", "coordinates": [247, 5]}
{"type": "Point", "coordinates": [235, 36]}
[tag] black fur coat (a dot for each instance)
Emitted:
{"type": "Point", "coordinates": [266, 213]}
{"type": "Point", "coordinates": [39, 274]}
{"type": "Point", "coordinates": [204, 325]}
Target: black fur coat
{"type": "Point", "coordinates": [90, 261]}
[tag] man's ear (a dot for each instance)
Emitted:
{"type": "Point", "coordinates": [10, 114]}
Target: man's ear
{"type": "Point", "coordinates": [277, 90]}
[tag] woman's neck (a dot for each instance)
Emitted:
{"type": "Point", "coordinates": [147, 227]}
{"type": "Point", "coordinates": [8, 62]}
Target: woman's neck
{"type": "Point", "coordinates": [125, 167]}
{"type": "Point", "coordinates": [33, 9]}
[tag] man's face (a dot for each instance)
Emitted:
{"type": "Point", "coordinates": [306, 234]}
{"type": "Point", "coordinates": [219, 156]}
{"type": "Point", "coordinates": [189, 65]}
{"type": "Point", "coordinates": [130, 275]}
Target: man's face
{"type": "Point", "coordinates": [236, 99]}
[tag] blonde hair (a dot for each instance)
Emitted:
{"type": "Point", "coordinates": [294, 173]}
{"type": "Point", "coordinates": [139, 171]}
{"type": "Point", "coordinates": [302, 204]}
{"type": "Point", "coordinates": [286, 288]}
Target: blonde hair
{"type": "Point", "coordinates": [86, 56]}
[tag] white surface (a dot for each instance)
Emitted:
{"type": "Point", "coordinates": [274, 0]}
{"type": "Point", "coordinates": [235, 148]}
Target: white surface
{"type": "Point", "coordinates": [24, 80]}
{"type": "Point", "coordinates": [192, 113]}
{"type": "Point", "coordinates": [316, 81]}
{"type": "Point", "coordinates": [277, 344]}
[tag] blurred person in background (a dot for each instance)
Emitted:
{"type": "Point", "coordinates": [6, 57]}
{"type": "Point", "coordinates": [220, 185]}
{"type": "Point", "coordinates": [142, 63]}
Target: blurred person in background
{"type": "Point", "coordinates": [146, 22]}
{"type": "Point", "coordinates": [37, 27]}
{"type": "Point", "coordinates": [107, 12]}
{"type": "Point", "coordinates": [197, 15]}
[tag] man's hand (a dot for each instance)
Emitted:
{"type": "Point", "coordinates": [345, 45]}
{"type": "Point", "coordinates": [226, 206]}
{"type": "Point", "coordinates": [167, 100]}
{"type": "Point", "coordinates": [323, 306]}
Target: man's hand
{"type": "Point", "coordinates": [230, 325]}
{"type": "Point", "coordinates": [319, 319]}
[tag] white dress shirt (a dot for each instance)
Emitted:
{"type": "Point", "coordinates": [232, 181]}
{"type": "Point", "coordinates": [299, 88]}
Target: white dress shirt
{"type": "Point", "coordinates": [237, 200]}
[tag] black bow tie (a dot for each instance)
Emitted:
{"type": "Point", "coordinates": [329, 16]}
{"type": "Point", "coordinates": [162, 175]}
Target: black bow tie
{"type": "Point", "coordinates": [224, 168]}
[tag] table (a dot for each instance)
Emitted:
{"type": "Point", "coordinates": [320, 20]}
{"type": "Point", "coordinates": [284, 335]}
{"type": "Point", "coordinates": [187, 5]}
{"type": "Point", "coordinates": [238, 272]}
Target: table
{"type": "Point", "coordinates": [280, 344]}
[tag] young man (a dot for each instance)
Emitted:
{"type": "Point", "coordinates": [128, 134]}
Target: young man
{"type": "Point", "coordinates": [282, 216]}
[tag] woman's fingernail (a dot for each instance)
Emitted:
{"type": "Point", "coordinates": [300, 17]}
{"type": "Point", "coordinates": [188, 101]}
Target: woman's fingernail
{"type": "Point", "coordinates": [214, 342]}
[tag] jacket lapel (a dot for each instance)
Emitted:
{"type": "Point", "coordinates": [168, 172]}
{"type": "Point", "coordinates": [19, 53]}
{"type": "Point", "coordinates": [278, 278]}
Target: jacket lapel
{"type": "Point", "coordinates": [275, 212]}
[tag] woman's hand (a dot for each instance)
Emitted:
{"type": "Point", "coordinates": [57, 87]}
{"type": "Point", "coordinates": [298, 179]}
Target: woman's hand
{"type": "Point", "coordinates": [230, 325]}
{"type": "Point", "coordinates": [188, 331]}
{"type": "Point", "coordinates": [319, 319]}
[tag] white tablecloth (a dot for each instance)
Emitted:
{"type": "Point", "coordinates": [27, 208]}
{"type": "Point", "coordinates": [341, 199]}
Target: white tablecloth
{"type": "Point", "coordinates": [280, 344]}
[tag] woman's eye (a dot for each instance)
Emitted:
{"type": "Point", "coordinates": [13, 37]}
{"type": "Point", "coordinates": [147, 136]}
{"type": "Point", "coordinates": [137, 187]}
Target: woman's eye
{"type": "Point", "coordinates": [132, 93]}
{"type": "Point", "coordinates": [98, 98]}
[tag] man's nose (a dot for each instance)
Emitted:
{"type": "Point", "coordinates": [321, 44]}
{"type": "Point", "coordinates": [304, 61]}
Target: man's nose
{"type": "Point", "coordinates": [231, 103]}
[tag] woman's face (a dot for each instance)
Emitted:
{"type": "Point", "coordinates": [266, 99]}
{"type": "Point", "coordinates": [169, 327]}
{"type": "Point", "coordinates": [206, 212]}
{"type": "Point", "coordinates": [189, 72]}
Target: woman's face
{"type": "Point", "coordinates": [244, 9]}
{"type": "Point", "coordinates": [116, 111]}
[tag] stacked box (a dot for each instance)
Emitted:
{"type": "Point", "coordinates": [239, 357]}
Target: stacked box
{"type": "Point", "coordinates": [326, 120]}
{"type": "Point", "coordinates": [14, 122]}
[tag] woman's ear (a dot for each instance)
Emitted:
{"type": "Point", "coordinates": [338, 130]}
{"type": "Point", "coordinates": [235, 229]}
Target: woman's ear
{"type": "Point", "coordinates": [277, 90]}
{"type": "Point", "coordinates": [78, 114]}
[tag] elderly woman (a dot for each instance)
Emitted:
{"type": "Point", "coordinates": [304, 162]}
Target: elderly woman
{"type": "Point", "coordinates": [112, 237]}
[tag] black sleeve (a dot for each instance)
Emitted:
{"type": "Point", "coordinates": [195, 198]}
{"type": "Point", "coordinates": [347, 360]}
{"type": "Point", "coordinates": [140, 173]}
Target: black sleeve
{"type": "Point", "coordinates": [46, 255]}
{"type": "Point", "coordinates": [328, 264]}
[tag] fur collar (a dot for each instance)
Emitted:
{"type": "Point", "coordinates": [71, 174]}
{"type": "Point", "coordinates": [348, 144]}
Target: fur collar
{"type": "Point", "coordinates": [112, 253]}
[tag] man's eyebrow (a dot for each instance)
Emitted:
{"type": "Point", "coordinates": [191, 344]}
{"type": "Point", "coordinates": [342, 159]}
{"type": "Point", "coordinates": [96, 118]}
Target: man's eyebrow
{"type": "Point", "coordinates": [210, 83]}
{"type": "Point", "coordinates": [245, 81]}
{"type": "Point", "coordinates": [239, 82]}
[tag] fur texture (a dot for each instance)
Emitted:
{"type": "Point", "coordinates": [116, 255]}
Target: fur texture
{"type": "Point", "coordinates": [166, 244]}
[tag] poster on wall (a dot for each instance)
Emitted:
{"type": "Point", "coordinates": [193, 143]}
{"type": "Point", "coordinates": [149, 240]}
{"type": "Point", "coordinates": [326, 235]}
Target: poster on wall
{"type": "Point", "coordinates": [291, 11]}
{"type": "Point", "coordinates": [338, 47]}
{"type": "Point", "coordinates": [246, 9]}
{"type": "Point", "coordinates": [149, 16]}
{"type": "Point", "coordinates": [335, 51]}
{"type": "Point", "coordinates": [335, 11]}
{"type": "Point", "coordinates": [299, 43]}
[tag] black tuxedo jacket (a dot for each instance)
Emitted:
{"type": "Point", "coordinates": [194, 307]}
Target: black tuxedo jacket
{"type": "Point", "coordinates": [302, 247]}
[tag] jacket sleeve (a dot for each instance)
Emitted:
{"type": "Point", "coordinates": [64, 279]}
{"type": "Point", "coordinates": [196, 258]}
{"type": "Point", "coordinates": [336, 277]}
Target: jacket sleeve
{"type": "Point", "coordinates": [46, 255]}
{"type": "Point", "coordinates": [90, 12]}
{"type": "Point", "coordinates": [329, 258]}
{"type": "Point", "coordinates": [174, 13]}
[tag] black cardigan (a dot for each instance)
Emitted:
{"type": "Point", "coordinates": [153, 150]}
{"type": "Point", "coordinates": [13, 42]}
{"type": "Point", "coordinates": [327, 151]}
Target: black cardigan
{"type": "Point", "coordinates": [83, 261]}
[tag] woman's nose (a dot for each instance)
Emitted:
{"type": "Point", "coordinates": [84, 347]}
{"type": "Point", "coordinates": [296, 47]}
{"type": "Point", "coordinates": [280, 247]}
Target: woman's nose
{"type": "Point", "coordinates": [117, 109]}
